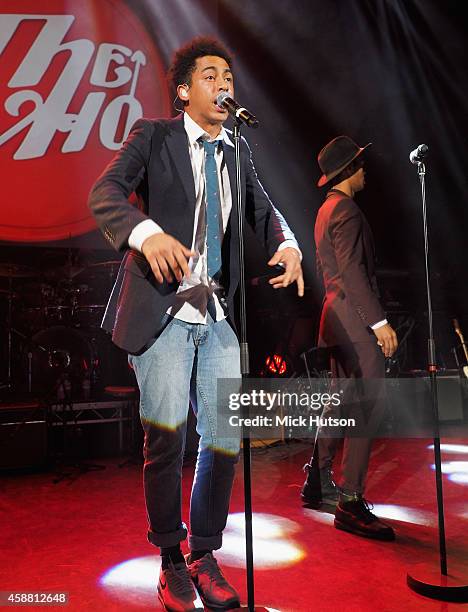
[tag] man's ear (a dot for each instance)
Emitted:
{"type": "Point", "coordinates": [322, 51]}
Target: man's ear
{"type": "Point", "coordinates": [183, 92]}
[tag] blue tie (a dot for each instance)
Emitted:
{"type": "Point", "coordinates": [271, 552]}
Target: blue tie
{"type": "Point", "coordinates": [213, 242]}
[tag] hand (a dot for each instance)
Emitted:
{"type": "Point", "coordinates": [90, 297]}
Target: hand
{"type": "Point", "coordinates": [167, 257]}
{"type": "Point", "coordinates": [386, 339]}
{"type": "Point", "coordinates": [292, 269]}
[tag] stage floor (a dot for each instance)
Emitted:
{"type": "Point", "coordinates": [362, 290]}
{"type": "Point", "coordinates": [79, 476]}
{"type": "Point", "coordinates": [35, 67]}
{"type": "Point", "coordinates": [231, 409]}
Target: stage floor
{"type": "Point", "coordinates": [87, 536]}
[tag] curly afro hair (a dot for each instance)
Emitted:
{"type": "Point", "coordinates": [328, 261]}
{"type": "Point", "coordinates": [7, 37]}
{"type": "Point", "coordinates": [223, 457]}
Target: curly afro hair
{"type": "Point", "coordinates": [183, 62]}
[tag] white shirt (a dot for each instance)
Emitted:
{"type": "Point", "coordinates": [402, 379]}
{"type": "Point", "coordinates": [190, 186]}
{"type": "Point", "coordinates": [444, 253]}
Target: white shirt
{"type": "Point", "coordinates": [192, 296]}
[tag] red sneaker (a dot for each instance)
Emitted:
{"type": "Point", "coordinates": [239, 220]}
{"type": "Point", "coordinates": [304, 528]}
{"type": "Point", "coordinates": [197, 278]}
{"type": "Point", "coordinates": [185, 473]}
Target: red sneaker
{"type": "Point", "coordinates": [214, 589]}
{"type": "Point", "coordinates": [176, 591]}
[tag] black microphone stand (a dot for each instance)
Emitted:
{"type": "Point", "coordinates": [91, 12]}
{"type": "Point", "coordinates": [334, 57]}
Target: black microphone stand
{"type": "Point", "coordinates": [425, 579]}
{"type": "Point", "coordinates": [244, 358]}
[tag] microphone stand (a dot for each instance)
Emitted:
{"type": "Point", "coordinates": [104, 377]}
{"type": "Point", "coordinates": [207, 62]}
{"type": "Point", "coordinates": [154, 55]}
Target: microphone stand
{"type": "Point", "coordinates": [425, 579]}
{"type": "Point", "coordinates": [244, 359]}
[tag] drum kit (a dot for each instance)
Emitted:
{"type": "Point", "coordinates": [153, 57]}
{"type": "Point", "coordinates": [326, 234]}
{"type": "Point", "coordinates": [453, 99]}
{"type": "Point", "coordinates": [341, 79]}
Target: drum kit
{"type": "Point", "coordinates": [52, 337]}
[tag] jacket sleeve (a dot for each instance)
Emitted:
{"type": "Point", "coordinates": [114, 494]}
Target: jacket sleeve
{"type": "Point", "coordinates": [268, 223]}
{"type": "Point", "coordinates": [319, 271]}
{"type": "Point", "coordinates": [346, 232]}
{"type": "Point", "coordinates": [108, 199]}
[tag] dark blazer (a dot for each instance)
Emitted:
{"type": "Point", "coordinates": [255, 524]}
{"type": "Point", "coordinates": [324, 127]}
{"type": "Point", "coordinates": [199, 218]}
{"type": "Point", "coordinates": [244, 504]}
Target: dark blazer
{"type": "Point", "coordinates": [345, 258]}
{"type": "Point", "coordinates": [154, 163]}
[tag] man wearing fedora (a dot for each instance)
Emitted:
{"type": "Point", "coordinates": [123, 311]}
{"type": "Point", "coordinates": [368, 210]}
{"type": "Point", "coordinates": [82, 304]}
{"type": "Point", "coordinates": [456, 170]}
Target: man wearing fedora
{"type": "Point", "coordinates": [354, 328]}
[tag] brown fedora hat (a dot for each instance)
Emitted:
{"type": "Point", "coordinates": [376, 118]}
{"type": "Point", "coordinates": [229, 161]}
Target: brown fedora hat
{"type": "Point", "coordinates": [336, 155]}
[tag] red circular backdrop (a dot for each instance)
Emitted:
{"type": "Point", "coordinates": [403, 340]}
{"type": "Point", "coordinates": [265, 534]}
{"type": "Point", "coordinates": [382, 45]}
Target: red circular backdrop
{"type": "Point", "coordinates": [44, 193]}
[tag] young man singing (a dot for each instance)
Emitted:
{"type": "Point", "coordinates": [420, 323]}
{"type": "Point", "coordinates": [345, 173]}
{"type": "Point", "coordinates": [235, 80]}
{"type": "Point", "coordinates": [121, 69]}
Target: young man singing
{"type": "Point", "coordinates": [172, 307]}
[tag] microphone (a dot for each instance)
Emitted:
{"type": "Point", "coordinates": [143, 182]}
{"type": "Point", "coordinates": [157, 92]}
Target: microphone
{"type": "Point", "coordinates": [224, 100]}
{"type": "Point", "coordinates": [418, 154]}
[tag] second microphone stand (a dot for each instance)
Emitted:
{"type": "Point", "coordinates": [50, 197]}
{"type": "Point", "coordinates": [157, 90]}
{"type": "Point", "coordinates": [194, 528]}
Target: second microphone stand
{"type": "Point", "coordinates": [425, 579]}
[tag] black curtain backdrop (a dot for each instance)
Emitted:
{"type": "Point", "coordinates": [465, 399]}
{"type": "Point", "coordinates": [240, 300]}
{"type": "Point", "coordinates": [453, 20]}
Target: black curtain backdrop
{"type": "Point", "coordinates": [393, 73]}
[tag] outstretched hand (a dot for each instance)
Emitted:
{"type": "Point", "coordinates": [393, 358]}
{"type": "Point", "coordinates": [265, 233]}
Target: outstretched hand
{"type": "Point", "coordinates": [291, 260]}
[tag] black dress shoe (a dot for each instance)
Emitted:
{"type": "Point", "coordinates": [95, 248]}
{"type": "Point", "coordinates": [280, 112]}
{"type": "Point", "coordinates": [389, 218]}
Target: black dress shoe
{"type": "Point", "coordinates": [330, 493]}
{"type": "Point", "coordinates": [319, 487]}
{"type": "Point", "coordinates": [311, 493]}
{"type": "Point", "coordinates": [356, 517]}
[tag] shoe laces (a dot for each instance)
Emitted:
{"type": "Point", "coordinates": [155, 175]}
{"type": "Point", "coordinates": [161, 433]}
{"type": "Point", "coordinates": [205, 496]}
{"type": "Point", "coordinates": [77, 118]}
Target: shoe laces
{"type": "Point", "coordinates": [209, 565]}
{"type": "Point", "coordinates": [365, 509]}
{"type": "Point", "coordinates": [179, 577]}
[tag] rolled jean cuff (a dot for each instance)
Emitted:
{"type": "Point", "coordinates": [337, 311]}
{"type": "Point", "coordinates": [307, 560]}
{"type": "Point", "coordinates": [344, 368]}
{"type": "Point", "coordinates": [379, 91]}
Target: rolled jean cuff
{"type": "Point", "coordinates": [205, 542]}
{"type": "Point", "coordinates": [165, 540]}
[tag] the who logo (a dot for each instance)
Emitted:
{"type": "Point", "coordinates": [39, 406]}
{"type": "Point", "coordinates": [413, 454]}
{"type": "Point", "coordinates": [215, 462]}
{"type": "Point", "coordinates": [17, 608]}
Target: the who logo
{"type": "Point", "coordinates": [71, 86]}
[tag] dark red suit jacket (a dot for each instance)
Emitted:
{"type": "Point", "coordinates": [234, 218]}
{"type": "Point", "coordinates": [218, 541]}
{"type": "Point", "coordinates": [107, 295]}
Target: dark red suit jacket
{"type": "Point", "coordinates": [345, 258]}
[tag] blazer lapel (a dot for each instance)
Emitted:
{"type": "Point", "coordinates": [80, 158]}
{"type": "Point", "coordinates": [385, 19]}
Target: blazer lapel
{"type": "Point", "coordinates": [231, 166]}
{"type": "Point", "coordinates": [178, 148]}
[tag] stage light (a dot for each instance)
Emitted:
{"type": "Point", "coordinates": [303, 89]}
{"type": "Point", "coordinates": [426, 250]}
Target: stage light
{"type": "Point", "coordinates": [452, 467]}
{"type": "Point", "coordinates": [403, 514]}
{"type": "Point", "coordinates": [457, 471]}
{"type": "Point", "coordinates": [139, 573]}
{"type": "Point", "coordinates": [451, 448]}
{"type": "Point", "coordinates": [459, 478]}
{"type": "Point", "coordinates": [321, 517]}
{"type": "Point", "coordinates": [135, 580]}
{"type": "Point", "coordinates": [266, 526]}
{"type": "Point", "coordinates": [276, 364]}
{"type": "Point", "coordinates": [269, 531]}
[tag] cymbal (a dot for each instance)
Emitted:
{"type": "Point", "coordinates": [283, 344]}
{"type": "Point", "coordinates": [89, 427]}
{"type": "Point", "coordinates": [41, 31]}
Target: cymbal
{"type": "Point", "coordinates": [10, 270]}
{"type": "Point", "coordinates": [100, 270]}
{"type": "Point", "coordinates": [63, 273]}
{"type": "Point", "coordinates": [106, 264]}
{"type": "Point", "coordinates": [112, 266]}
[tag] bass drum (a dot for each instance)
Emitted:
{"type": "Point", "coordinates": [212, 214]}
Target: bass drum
{"type": "Point", "coordinates": [60, 363]}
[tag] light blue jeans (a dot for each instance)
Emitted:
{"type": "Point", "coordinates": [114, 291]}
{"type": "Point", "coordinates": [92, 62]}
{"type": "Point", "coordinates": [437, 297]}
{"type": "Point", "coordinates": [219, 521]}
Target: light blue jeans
{"type": "Point", "coordinates": [185, 363]}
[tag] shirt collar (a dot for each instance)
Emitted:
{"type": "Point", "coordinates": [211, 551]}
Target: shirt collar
{"type": "Point", "coordinates": [333, 190]}
{"type": "Point", "coordinates": [195, 132]}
